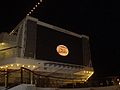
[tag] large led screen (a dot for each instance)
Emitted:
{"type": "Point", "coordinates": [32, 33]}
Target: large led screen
{"type": "Point", "coordinates": [57, 46]}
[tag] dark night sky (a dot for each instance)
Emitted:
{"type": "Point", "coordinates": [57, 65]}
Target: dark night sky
{"type": "Point", "coordinates": [100, 20]}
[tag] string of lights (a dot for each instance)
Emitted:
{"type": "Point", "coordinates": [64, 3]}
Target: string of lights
{"type": "Point", "coordinates": [32, 10]}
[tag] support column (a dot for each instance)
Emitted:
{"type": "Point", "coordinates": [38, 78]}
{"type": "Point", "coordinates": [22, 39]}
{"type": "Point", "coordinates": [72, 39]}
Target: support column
{"type": "Point", "coordinates": [31, 78]}
{"type": "Point", "coordinates": [6, 78]}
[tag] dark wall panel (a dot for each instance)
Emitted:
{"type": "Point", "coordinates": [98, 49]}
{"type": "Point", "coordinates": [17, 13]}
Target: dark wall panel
{"type": "Point", "coordinates": [30, 46]}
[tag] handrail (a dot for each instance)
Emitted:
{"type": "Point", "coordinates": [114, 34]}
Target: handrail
{"type": "Point", "coordinates": [10, 48]}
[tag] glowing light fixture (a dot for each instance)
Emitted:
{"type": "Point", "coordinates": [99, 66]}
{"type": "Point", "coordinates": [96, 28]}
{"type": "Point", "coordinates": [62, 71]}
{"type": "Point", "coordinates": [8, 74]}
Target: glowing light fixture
{"type": "Point", "coordinates": [90, 75]}
{"type": "Point", "coordinates": [84, 71]}
{"type": "Point", "coordinates": [28, 65]}
{"type": "Point", "coordinates": [2, 43]}
{"type": "Point", "coordinates": [23, 65]}
{"type": "Point", "coordinates": [33, 66]}
{"type": "Point", "coordinates": [35, 5]}
{"type": "Point", "coordinates": [18, 64]}
{"type": "Point", "coordinates": [118, 79]}
{"type": "Point", "coordinates": [62, 50]}
{"type": "Point", "coordinates": [34, 8]}
{"type": "Point", "coordinates": [29, 12]}
{"type": "Point", "coordinates": [89, 72]}
{"type": "Point", "coordinates": [11, 65]}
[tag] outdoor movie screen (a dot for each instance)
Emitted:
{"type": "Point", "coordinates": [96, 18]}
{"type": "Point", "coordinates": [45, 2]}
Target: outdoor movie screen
{"type": "Point", "coordinates": [52, 45]}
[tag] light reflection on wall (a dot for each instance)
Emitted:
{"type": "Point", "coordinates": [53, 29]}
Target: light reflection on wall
{"type": "Point", "coordinates": [5, 53]}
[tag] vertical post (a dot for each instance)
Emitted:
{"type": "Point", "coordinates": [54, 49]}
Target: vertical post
{"type": "Point", "coordinates": [21, 75]}
{"type": "Point", "coordinates": [73, 85]}
{"type": "Point", "coordinates": [31, 78]}
{"type": "Point", "coordinates": [6, 78]}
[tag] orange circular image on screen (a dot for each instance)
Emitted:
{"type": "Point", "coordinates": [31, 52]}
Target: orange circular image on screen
{"type": "Point", "coordinates": [62, 50]}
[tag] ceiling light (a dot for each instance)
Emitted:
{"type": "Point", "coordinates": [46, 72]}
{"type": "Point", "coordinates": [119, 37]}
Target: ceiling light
{"type": "Point", "coordinates": [40, 0]}
{"type": "Point", "coordinates": [18, 64]}
{"type": "Point", "coordinates": [33, 66]}
{"type": "Point", "coordinates": [2, 43]}
{"type": "Point", "coordinates": [11, 65]}
{"type": "Point", "coordinates": [1, 67]}
{"type": "Point", "coordinates": [35, 5]}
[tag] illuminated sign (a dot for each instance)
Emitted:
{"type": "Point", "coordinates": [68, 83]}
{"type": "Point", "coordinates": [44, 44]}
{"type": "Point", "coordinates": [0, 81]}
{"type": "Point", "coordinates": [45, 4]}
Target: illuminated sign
{"type": "Point", "coordinates": [62, 50]}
